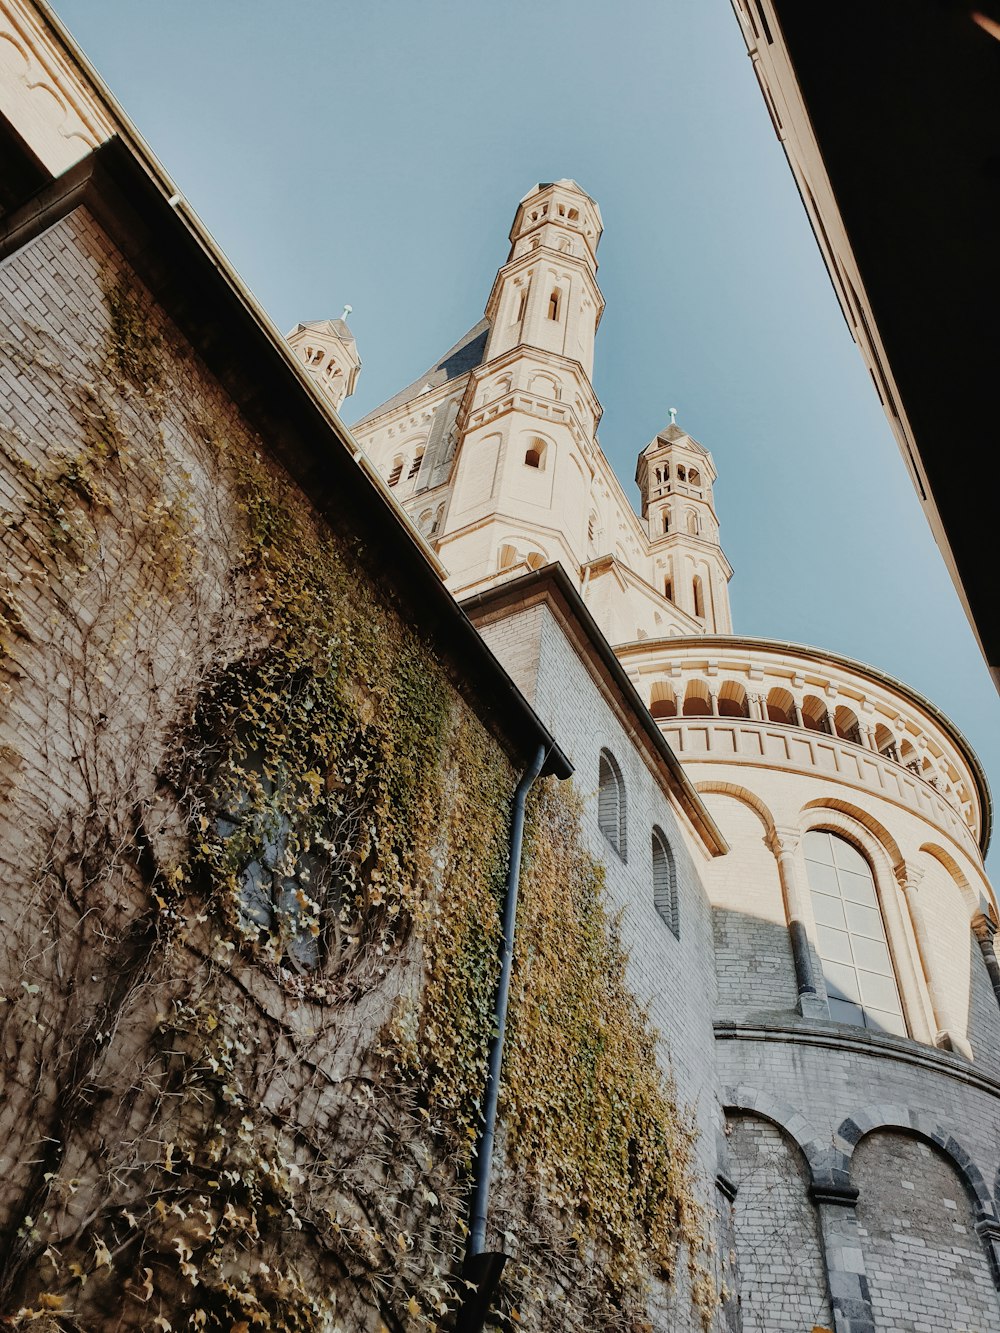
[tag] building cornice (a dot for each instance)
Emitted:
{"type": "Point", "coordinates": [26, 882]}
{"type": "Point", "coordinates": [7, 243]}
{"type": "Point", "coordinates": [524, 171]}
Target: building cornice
{"type": "Point", "coordinates": [197, 289]}
{"type": "Point", "coordinates": [553, 587]}
{"type": "Point", "coordinates": [714, 644]}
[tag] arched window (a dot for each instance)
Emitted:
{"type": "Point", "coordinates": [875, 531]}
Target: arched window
{"type": "Point", "coordinates": [555, 301]}
{"type": "Point", "coordinates": [611, 802]}
{"type": "Point", "coordinates": [665, 882]}
{"type": "Point", "coordinates": [666, 520]}
{"type": "Point", "coordinates": [425, 520]}
{"type": "Point", "coordinates": [694, 477]}
{"type": "Point", "coordinates": [847, 724]}
{"type": "Point", "coordinates": [418, 458]}
{"type": "Point", "coordinates": [699, 597]}
{"type": "Point", "coordinates": [668, 590]}
{"type": "Point", "coordinates": [692, 523]}
{"type": "Point", "coordinates": [535, 560]}
{"type": "Point", "coordinates": [733, 700]}
{"type": "Point", "coordinates": [397, 469]}
{"type": "Point", "coordinates": [438, 519]}
{"type": "Point", "coordinates": [908, 757]}
{"type": "Point", "coordinates": [662, 700]}
{"type": "Point", "coordinates": [850, 935]}
{"type": "Point", "coordinates": [885, 743]}
{"type": "Point", "coordinates": [781, 707]}
{"type": "Point", "coordinates": [681, 472]}
{"type": "Point", "coordinates": [522, 305]}
{"type": "Point", "coordinates": [317, 356]}
{"type": "Point", "coordinates": [534, 455]}
{"type": "Point", "coordinates": [697, 701]}
{"type": "Point", "coordinates": [508, 556]}
{"type": "Point", "coordinates": [814, 714]}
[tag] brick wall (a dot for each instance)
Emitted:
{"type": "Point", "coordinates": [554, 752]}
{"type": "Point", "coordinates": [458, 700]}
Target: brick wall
{"type": "Point", "coordinates": [925, 1263]}
{"type": "Point", "coordinates": [782, 1275]}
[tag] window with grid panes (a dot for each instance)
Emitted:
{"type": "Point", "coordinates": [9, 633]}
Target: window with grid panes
{"type": "Point", "coordinates": [850, 935]}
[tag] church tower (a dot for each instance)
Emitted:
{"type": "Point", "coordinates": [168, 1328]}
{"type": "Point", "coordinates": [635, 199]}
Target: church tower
{"type": "Point", "coordinates": [546, 296]}
{"type": "Point", "coordinates": [327, 349]}
{"type": "Point", "coordinates": [675, 475]}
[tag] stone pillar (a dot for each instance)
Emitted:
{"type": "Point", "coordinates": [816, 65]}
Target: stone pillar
{"type": "Point", "coordinates": [713, 696]}
{"type": "Point", "coordinates": [984, 928]}
{"type": "Point", "coordinates": [798, 712]}
{"type": "Point", "coordinates": [850, 1295]}
{"type": "Point", "coordinates": [988, 1231]}
{"type": "Point", "coordinates": [811, 1005]}
{"type": "Point", "coordinates": [902, 960]}
{"type": "Point", "coordinates": [867, 734]}
{"type": "Point", "coordinates": [756, 703]}
{"type": "Point", "coordinates": [946, 1034]}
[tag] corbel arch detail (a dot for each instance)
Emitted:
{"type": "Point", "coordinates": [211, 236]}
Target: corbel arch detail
{"type": "Point", "coordinates": [881, 1115]}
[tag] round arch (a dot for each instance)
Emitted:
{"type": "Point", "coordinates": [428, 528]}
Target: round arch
{"type": "Point", "coordinates": [887, 843]}
{"type": "Point", "coordinates": [882, 1115]}
{"type": "Point", "coordinates": [969, 895]}
{"type": "Point", "coordinates": [748, 1100]}
{"type": "Point", "coordinates": [833, 816]}
{"type": "Point", "coordinates": [746, 797]}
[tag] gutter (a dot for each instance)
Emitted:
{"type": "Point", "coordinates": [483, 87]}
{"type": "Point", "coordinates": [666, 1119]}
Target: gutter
{"type": "Point", "coordinates": [482, 1267]}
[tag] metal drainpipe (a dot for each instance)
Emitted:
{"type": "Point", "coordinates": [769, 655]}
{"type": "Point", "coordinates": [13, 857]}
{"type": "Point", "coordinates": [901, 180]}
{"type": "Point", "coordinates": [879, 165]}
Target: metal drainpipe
{"type": "Point", "coordinates": [480, 1266]}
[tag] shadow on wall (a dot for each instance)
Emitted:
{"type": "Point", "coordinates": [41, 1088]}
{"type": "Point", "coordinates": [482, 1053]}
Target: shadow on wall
{"type": "Point", "coordinates": [753, 962]}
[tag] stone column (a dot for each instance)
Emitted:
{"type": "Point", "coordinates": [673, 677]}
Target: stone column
{"type": "Point", "coordinates": [713, 696]}
{"type": "Point", "coordinates": [988, 1231]}
{"type": "Point", "coordinates": [811, 1005]}
{"type": "Point", "coordinates": [850, 1295]}
{"type": "Point", "coordinates": [798, 712]}
{"type": "Point", "coordinates": [902, 960]}
{"type": "Point", "coordinates": [946, 1034]}
{"type": "Point", "coordinates": [984, 928]}
{"type": "Point", "coordinates": [756, 703]}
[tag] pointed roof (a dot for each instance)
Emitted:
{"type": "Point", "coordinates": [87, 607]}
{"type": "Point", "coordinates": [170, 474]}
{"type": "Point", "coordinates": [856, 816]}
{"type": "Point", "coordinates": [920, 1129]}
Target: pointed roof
{"type": "Point", "coordinates": [336, 328]}
{"type": "Point", "coordinates": [673, 434]}
{"type": "Point", "coordinates": [457, 361]}
{"type": "Point", "coordinates": [570, 184]}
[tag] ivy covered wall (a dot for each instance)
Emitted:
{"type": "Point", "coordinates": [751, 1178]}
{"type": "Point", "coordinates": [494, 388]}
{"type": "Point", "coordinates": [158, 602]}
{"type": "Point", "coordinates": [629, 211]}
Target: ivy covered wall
{"type": "Point", "coordinates": [253, 848]}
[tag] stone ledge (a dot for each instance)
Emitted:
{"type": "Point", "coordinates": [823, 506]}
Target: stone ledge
{"type": "Point", "coordinates": [834, 1036]}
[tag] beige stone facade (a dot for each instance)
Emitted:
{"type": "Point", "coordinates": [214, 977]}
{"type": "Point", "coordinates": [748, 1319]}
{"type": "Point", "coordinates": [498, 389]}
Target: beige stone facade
{"type": "Point", "coordinates": [856, 983]}
{"type": "Point", "coordinates": [792, 841]}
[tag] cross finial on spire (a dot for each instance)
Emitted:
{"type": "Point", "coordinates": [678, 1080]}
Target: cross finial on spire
{"type": "Point", "coordinates": [347, 310]}
{"type": "Point", "coordinates": [673, 415]}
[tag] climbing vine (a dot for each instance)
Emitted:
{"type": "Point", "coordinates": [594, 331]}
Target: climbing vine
{"type": "Point", "coordinates": [248, 1022]}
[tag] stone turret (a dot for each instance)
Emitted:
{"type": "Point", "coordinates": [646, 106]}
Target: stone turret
{"type": "Point", "coordinates": [675, 475]}
{"type": "Point", "coordinates": [327, 349]}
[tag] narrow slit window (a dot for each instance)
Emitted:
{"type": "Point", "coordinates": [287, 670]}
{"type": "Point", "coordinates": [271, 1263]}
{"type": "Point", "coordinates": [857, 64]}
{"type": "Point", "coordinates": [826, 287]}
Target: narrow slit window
{"type": "Point", "coordinates": [611, 802]}
{"type": "Point", "coordinates": [554, 304]}
{"type": "Point", "coordinates": [665, 882]}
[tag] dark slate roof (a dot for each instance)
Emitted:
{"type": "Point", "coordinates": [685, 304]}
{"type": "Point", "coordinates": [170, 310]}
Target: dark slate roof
{"type": "Point", "coordinates": [458, 360]}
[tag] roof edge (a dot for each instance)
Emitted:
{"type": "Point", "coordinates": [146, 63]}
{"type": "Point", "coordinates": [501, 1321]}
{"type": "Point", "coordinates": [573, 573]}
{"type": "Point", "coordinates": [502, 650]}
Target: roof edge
{"type": "Point", "coordinates": [552, 583]}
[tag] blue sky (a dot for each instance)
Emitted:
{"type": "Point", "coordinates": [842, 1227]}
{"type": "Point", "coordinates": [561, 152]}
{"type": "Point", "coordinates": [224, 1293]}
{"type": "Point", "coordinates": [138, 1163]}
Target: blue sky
{"type": "Point", "coordinates": [374, 153]}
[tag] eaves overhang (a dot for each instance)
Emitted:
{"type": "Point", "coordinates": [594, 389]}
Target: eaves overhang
{"type": "Point", "coordinates": [553, 585]}
{"type": "Point", "coordinates": [193, 283]}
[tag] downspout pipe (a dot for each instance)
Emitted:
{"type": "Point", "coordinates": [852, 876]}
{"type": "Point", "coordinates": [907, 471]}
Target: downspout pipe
{"type": "Point", "coordinates": [484, 1150]}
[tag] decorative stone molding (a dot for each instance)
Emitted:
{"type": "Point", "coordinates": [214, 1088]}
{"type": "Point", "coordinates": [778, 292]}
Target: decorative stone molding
{"type": "Point", "coordinates": [44, 95]}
